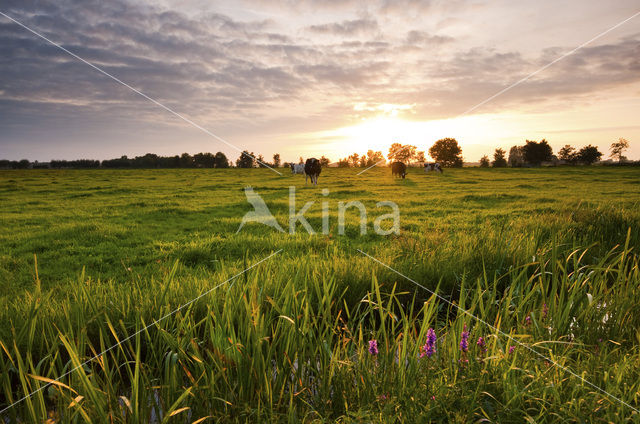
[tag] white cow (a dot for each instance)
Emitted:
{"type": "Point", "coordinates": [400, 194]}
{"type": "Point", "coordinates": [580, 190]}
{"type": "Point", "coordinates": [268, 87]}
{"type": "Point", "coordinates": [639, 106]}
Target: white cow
{"type": "Point", "coordinates": [435, 167]}
{"type": "Point", "coordinates": [297, 168]}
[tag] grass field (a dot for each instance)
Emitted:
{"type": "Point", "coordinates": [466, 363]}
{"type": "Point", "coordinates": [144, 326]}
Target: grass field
{"type": "Point", "coordinates": [548, 257]}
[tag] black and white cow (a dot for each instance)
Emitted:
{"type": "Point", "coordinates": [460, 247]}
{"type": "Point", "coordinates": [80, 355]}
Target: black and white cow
{"type": "Point", "coordinates": [312, 169]}
{"type": "Point", "coordinates": [297, 168]}
{"type": "Point", "coordinates": [398, 169]}
{"type": "Point", "coordinates": [435, 167]}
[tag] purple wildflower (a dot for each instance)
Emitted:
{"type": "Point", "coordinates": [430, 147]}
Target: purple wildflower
{"type": "Point", "coordinates": [429, 347]}
{"type": "Point", "coordinates": [481, 344]}
{"type": "Point", "coordinates": [373, 347]}
{"type": "Point", "coordinates": [527, 320]}
{"type": "Point", "coordinates": [464, 342]}
{"type": "Point", "coordinates": [511, 349]}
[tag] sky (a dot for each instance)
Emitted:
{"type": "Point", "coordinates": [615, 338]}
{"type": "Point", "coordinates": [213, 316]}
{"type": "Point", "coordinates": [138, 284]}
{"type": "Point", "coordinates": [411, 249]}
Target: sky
{"type": "Point", "coordinates": [314, 77]}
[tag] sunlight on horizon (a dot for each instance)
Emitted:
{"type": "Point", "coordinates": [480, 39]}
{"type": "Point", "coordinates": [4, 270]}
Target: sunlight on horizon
{"type": "Point", "coordinates": [380, 132]}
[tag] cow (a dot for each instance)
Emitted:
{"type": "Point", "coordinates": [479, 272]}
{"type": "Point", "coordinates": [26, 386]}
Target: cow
{"type": "Point", "coordinates": [398, 169]}
{"type": "Point", "coordinates": [435, 167]}
{"type": "Point", "coordinates": [312, 170]}
{"type": "Point", "coordinates": [297, 168]}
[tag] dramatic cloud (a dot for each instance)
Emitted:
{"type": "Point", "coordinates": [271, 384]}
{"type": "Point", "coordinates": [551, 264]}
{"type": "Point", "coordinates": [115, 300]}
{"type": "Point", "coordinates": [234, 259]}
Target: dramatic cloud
{"type": "Point", "coordinates": [269, 68]}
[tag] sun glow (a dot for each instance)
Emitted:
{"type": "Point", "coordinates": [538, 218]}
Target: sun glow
{"type": "Point", "coordinates": [379, 132]}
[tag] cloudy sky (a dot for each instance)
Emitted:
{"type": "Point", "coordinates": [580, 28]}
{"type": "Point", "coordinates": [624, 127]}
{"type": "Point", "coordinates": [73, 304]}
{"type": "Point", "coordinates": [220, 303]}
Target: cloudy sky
{"type": "Point", "coordinates": [313, 77]}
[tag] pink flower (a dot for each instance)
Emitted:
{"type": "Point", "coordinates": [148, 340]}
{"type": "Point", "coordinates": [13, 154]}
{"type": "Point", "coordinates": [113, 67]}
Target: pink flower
{"type": "Point", "coordinates": [464, 341]}
{"type": "Point", "coordinates": [429, 347]}
{"type": "Point", "coordinates": [481, 344]}
{"type": "Point", "coordinates": [373, 347]}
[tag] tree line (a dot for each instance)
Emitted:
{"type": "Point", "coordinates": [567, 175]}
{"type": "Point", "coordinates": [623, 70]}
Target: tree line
{"type": "Point", "coordinates": [150, 160]}
{"type": "Point", "coordinates": [534, 153]}
{"type": "Point", "coordinates": [445, 151]}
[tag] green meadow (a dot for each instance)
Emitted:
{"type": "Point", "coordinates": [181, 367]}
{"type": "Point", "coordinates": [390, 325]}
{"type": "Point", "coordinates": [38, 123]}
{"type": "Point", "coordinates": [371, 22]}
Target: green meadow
{"type": "Point", "coordinates": [541, 263]}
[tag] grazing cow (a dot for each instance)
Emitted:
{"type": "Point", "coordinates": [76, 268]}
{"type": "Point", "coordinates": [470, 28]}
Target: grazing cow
{"type": "Point", "coordinates": [435, 167]}
{"type": "Point", "coordinates": [398, 169]}
{"type": "Point", "coordinates": [312, 169]}
{"type": "Point", "coordinates": [297, 168]}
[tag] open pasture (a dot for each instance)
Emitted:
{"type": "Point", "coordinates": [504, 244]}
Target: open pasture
{"type": "Point", "coordinates": [547, 256]}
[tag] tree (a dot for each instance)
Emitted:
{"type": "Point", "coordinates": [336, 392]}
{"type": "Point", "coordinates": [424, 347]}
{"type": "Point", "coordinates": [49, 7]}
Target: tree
{"type": "Point", "coordinates": [354, 160]}
{"type": "Point", "coordinates": [261, 162]}
{"type": "Point", "coordinates": [535, 153]}
{"type": "Point", "coordinates": [401, 153]}
{"type": "Point", "coordinates": [371, 158]}
{"type": "Point", "coordinates": [204, 160]}
{"type": "Point", "coordinates": [221, 160]}
{"type": "Point", "coordinates": [186, 161]}
{"type": "Point", "coordinates": [484, 161]}
{"type": "Point", "coordinates": [516, 156]}
{"type": "Point", "coordinates": [618, 148]}
{"type": "Point", "coordinates": [498, 159]}
{"type": "Point", "coordinates": [324, 161]}
{"type": "Point", "coordinates": [568, 154]}
{"type": "Point", "coordinates": [447, 152]}
{"type": "Point", "coordinates": [246, 160]}
{"type": "Point", "coordinates": [589, 154]}
{"type": "Point", "coordinates": [276, 160]}
{"type": "Point", "coordinates": [343, 163]}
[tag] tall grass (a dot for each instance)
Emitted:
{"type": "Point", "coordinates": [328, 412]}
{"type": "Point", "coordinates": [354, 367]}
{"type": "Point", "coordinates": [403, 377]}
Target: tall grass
{"type": "Point", "coordinates": [289, 347]}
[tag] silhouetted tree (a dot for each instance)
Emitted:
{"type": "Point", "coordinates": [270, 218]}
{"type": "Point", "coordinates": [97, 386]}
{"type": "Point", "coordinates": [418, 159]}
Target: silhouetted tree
{"type": "Point", "coordinates": [617, 148]}
{"type": "Point", "coordinates": [246, 160]}
{"type": "Point", "coordinates": [221, 160]}
{"type": "Point", "coordinates": [204, 160]}
{"type": "Point", "coordinates": [568, 154]}
{"type": "Point", "coordinates": [401, 153]}
{"type": "Point", "coordinates": [535, 153]}
{"type": "Point", "coordinates": [324, 161]}
{"type": "Point", "coordinates": [498, 159]}
{"type": "Point", "coordinates": [122, 162]}
{"type": "Point", "coordinates": [484, 161]}
{"type": "Point", "coordinates": [589, 154]}
{"type": "Point", "coordinates": [516, 156]}
{"type": "Point", "coordinates": [447, 152]}
{"type": "Point", "coordinates": [261, 162]}
{"type": "Point", "coordinates": [186, 161]}
{"type": "Point", "coordinates": [276, 160]}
